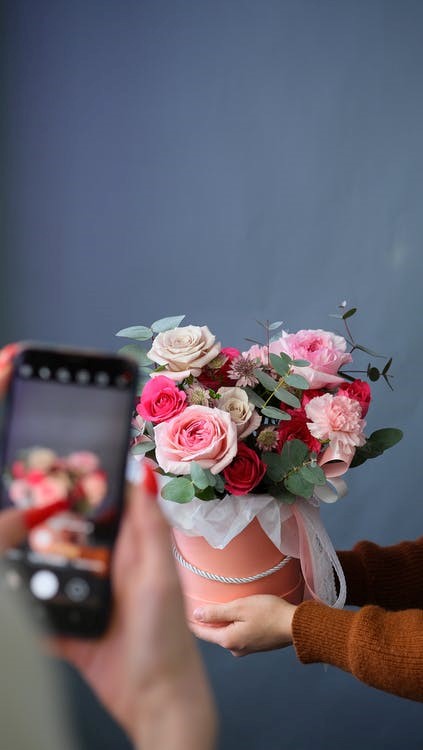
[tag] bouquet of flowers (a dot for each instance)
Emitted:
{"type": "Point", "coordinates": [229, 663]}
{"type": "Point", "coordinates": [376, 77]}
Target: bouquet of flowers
{"type": "Point", "coordinates": [279, 418]}
{"type": "Point", "coordinates": [266, 432]}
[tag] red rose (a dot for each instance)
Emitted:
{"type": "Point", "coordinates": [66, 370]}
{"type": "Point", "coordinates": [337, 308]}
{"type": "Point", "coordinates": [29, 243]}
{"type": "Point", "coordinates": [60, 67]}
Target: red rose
{"type": "Point", "coordinates": [360, 391]}
{"type": "Point", "coordinates": [215, 374]}
{"type": "Point", "coordinates": [297, 428]}
{"type": "Point", "coordinates": [245, 472]}
{"type": "Point", "coordinates": [161, 400]}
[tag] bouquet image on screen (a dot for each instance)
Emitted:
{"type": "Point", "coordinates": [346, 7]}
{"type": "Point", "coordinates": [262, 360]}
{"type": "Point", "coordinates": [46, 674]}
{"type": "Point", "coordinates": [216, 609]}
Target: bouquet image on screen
{"type": "Point", "coordinates": [247, 445]}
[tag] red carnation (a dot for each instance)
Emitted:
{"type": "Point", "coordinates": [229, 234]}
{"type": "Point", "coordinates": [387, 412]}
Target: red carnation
{"type": "Point", "coordinates": [215, 374]}
{"type": "Point", "coordinates": [297, 428]}
{"type": "Point", "coordinates": [245, 472]}
{"type": "Point", "coordinates": [311, 393]}
{"type": "Point", "coordinates": [360, 391]}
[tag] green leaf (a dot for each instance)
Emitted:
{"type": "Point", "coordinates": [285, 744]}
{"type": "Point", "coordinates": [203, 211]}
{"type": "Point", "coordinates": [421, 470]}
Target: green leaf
{"type": "Point", "coordinates": [296, 484]}
{"type": "Point", "coordinates": [373, 374]}
{"type": "Point", "coordinates": [269, 383]}
{"type": "Point", "coordinates": [300, 362]}
{"type": "Point", "coordinates": [349, 313]}
{"type": "Point", "coordinates": [254, 397]}
{"type": "Point", "coordinates": [387, 366]}
{"type": "Point", "coordinates": [280, 364]}
{"type": "Point", "coordinates": [273, 413]}
{"type": "Point", "coordinates": [385, 438]}
{"type": "Point", "coordinates": [219, 485]}
{"type": "Point", "coordinates": [209, 493]}
{"type": "Point", "coordinates": [313, 474]}
{"type": "Point", "coordinates": [368, 351]}
{"type": "Point", "coordinates": [179, 490]}
{"type": "Point", "coordinates": [141, 333]}
{"type": "Point", "coordinates": [166, 324]}
{"type": "Point", "coordinates": [279, 492]}
{"type": "Point", "coordinates": [276, 325]}
{"type": "Point", "coordinates": [277, 466]}
{"type": "Point", "coordinates": [295, 451]}
{"type": "Point", "coordinates": [199, 476]}
{"type": "Point", "coordinates": [297, 381]}
{"type": "Point", "coordinates": [134, 351]}
{"type": "Point", "coordinates": [288, 398]}
{"type": "Point", "coordinates": [142, 448]}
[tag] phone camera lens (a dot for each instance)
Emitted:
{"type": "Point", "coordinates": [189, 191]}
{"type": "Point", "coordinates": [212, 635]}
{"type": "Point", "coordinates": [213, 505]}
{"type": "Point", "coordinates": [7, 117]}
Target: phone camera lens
{"type": "Point", "coordinates": [44, 373]}
{"type": "Point", "coordinates": [121, 381]}
{"type": "Point", "coordinates": [25, 371]}
{"type": "Point", "coordinates": [63, 375]}
{"type": "Point", "coordinates": [83, 377]}
{"type": "Point", "coordinates": [102, 378]}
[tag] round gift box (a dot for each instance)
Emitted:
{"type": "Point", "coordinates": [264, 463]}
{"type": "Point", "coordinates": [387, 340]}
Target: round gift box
{"type": "Point", "coordinates": [247, 555]}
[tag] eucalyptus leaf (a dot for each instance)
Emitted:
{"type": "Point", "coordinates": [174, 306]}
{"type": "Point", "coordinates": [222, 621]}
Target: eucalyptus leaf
{"type": "Point", "coordinates": [368, 351]}
{"type": "Point", "coordinates": [209, 493]}
{"type": "Point", "coordinates": [279, 492]}
{"type": "Point", "coordinates": [179, 490]}
{"type": "Point", "coordinates": [276, 466]}
{"type": "Point", "coordinates": [199, 476]}
{"type": "Point", "coordinates": [373, 374]}
{"type": "Point", "coordinates": [295, 451]}
{"type": "Point", "coordinates": [387, 366]}
{"type": "Point", "coordinates": [313, 474]}
{"type": "Point", "coordinates": [349, 313]}
{"type": "Point", "coordinates": [274, 326]}
{"type": "Point", "coordinates": [288, 398]}
{"type": "Point", "coordinates": [134, 351]}
{"type": "Point", "coordinates": [280, 364]}
{"type": "Point", "coordinates": [297, 381]}
{"type": "Point", "coordinates": [273, 413]}
{"type": "Point", "coordinates": [269, 383]}
{"type": "Point", "coordinates": [141, 333]}
{"type": "Point", "coordinates": [296, 484]}
{"type": "Point", "coordinates": [254, 397]}
{"type": "Point", "coordinates": [142, 448]}
{"type": "Point", "coordinates": [219, 483]}
{"type": "Point", "coordinates": [166, 324]}
{"type": "Point", "coordinates": [300, 362]}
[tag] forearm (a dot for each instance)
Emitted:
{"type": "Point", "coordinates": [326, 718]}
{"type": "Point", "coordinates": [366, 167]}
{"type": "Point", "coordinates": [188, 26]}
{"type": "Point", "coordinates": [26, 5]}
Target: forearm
{"type": "Point", "coordinates": [390, 577]}
{"type": "Point", "coordinates": [383, 649]}
{"type": "Point", "coordinates": [177, 717]}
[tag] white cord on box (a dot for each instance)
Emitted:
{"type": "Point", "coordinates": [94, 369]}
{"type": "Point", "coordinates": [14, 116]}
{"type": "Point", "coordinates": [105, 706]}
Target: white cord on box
{"type": "Point", "coordinates": [226, 579]}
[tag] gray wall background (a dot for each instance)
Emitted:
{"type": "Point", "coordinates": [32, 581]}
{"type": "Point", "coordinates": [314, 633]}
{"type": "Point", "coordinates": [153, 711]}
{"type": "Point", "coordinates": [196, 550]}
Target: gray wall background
{"type": "Point", "coordinates": [231, 160]}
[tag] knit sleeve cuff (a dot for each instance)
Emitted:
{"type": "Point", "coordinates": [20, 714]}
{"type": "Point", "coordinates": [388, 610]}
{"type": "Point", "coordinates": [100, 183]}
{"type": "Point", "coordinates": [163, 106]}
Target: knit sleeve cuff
{"type": "Point", "coordinates": [321, 634]}
{"type": "Point", "coordinates": [355, 576]}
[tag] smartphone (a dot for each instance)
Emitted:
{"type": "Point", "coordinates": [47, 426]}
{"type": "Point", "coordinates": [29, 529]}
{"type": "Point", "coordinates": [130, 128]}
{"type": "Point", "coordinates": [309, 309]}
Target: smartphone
{"type": "Point", "coordinates": [66, 433]}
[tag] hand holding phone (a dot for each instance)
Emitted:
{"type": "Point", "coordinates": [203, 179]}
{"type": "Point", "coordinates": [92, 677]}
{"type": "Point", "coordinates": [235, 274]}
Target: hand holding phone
{"type": "Point", "coordinates": [65, 438]}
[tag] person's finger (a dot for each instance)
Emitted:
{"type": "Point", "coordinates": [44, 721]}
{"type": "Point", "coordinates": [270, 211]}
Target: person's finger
{"type": "Point", "coordinates": [7, 355]}
{"type": "Point", "coordinates": [217, 613]}
{"type": "Point", "coordinates": [16, 522]}
{"type": "Point", "coordinates": [218, 635]}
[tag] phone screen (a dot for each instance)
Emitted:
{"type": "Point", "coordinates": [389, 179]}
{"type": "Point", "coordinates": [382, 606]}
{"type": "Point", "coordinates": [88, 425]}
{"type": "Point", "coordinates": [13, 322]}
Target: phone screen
{"type": "Point", "coordinates": [66, 436]}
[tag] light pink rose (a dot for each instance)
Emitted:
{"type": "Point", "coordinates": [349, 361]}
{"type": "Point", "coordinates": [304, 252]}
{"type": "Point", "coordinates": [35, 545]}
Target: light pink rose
{"type": "Point", "coordinates": [261, 353]}
{"type": "Point", "coordinates": [235, 401]}
{"type": "Point", "coordinates": [199, 433]}
{"type": "Point", "coordinates": [95, 487]}
{"type": "Point", "coordinates": [41, 459]}
{"type": "Point", "coordinates": [337, 419]}
{"type": "Point", "coordinates": [184, 351]}
{"type": "Point", "coordinates": [83, 462]}
{"type": "Point", "coordinates": [325, 351]}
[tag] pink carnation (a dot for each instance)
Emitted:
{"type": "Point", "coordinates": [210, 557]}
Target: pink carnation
{"type": "Point", "coordinates": [360, 391]}
{"type": "Point", "coordinates": [325, 351]}
{"type": "Point", "coordinates": [337, 419]}
{"type": "Point", "coordinates": [199, 433]}
{"type": "Point", "coordinates": [161, 400]}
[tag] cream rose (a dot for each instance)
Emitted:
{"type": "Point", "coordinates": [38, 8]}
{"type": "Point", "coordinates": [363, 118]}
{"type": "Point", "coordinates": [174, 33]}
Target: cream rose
{"type": "Point", "coordinates": [184, 351]}
{"type": "Point", "coordinates": [242, 412]}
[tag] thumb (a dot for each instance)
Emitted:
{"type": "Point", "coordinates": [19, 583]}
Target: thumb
{"type": "Point", "coordinates": [217, 613]}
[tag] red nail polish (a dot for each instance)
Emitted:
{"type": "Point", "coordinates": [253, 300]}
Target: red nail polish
{"type": "Point", "coordinates": [150, 480]}
{"type": "Point", "coordinates": [34, 516]}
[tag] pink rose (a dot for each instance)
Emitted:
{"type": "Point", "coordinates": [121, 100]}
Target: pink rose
{"type": "Point", "coordinates": [337, 419]}
{"type": "Point", "coordinates": [49, 490]}
{"type": "Point", "coordinates": [94, 487]}
{"type": "Point", "coordinates": [261, 353]}
{"type": "Point", "coordinates": [245, 472]}
{"type": "Point", "coordinates": [207, 436]}
{"type": "Point", "coordinates": [325, 351]}
{"type": "Point", "coordinates": [360, 391]}
{"type": "Point", "coordinates": [161, 400]}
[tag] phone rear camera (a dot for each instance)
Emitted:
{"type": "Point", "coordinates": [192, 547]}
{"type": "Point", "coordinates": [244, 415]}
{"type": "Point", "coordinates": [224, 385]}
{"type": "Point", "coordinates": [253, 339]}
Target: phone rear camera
{"type": "Point", "coordinates": [83, 377]}
{"type": "Point", "coordinates": [63, 375]}
{"type": "Point", "coordinates": [44, 373]}
{"type": "Point", "coordinates": [122, 381]}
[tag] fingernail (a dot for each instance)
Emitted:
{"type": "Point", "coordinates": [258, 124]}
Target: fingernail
{"type": "Point", "coordinates": [150, 480]}
{"type": "Point", "coordinates": [34, 516]}
{"type": "Point", "coordinates": [199, 613]}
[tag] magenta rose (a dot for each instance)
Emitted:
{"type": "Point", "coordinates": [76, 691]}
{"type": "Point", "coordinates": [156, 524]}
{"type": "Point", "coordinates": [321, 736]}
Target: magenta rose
{"type": "Point", "coordinates": [360, 391]}
{"type": "Point", "coordinates": [296, 428]}
{"type": "Point", "coordinates": [161, 400]}
{"type": "Point", "coordinates": [245, 472]}
{"type": "Point", "coordinates": [199, 433]}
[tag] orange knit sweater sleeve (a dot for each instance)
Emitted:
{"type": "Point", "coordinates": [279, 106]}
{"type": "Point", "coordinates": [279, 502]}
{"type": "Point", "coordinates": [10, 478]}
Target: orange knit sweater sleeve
{"type": "Point", "coordinates": [382, 643]}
